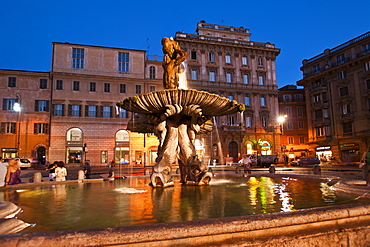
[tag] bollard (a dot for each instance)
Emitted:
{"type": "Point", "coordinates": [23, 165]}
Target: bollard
{"type": "Point", "coordinates": [316, 170]}
{"type": "Point", "coordinates": [81, 176]}
{"type": "Point", "coordinates": [37, 177]}
{"type": "Point", "coordinates": [272, 169]}
{"type": "Point", "coordinates": [237, 169]}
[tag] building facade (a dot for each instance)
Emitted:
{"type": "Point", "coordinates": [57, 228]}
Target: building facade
{"type": "Point", "coordinates": [293, 123]}
{"type": "Point", "coordinates": [337, 89]}
{"type": "Point", "coordinates": [223, 60]}
{"type": "Point", "coordinates": [69, 113]}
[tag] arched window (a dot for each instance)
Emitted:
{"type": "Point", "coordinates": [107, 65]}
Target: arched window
{"type": "Point", "coordinates": [74, 134]}
{"type": "Point", "coordinates": [152, 72]}
{"type": "Point", "coordinates": [122, 136]}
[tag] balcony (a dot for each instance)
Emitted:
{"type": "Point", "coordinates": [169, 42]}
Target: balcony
{"type": "Point", "coordinates": [233, 128]}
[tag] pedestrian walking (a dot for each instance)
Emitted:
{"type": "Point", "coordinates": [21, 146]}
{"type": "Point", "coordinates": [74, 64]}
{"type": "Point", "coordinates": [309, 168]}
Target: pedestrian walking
{"type": "Point", "coordinates": [51, 170]}
{"type": "Point", "coordinates": [60, 172]}
{"type": "Point", "coordinates": [246, 163]}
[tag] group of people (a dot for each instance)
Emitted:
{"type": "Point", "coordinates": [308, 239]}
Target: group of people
{"type": "Point", "coordinates": [57, 170]}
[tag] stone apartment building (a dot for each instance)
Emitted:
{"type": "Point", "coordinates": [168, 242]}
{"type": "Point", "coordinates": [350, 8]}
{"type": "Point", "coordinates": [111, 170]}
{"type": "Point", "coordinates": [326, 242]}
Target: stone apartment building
{"type": "Point", "coordinates": [223, 60]}
{"type": "Point", "coordinates": [292, 108]}
{"type": "Point", "coordinates": [337, 89]}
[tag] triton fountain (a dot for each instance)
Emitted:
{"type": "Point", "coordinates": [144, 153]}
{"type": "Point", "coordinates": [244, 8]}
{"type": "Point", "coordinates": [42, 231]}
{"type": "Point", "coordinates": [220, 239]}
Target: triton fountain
{"type": "Point", "coordinates": [176, 116]}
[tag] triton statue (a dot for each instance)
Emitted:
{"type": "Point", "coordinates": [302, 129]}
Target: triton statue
{"type": "Point", "coordinates": [175, 116]}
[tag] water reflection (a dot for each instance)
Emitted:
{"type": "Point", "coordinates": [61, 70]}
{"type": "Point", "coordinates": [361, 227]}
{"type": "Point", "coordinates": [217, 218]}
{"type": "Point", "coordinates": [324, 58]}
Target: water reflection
{"type": "Point", "coordinates": [131, 201]}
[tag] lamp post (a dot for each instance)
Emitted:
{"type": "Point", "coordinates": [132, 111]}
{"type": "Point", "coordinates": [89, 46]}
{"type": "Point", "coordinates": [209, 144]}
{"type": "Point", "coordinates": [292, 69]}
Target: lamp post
{"type": "Point", "coordinates": [281, 120]}
{"type": "Point", "coordinates": [17, 107]}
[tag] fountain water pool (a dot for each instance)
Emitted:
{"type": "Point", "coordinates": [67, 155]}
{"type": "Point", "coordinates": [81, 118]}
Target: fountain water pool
{"type": "Point", "coordinates": [133, 202]}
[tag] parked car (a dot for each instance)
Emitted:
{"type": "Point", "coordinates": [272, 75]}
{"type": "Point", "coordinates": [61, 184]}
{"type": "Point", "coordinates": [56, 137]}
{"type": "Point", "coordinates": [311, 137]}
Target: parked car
{"type": "Point", "coordinates": [306, 161]}
{"type": "Point", "coordinates": [22, 163]}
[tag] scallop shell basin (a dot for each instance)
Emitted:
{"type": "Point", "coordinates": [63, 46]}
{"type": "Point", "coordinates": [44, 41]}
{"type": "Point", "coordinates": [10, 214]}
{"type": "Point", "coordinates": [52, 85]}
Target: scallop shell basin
{"type": "Point", "coordinates": [156, 102]}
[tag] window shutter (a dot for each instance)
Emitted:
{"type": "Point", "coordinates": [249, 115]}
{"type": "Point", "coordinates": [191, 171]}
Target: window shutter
{"type": "Point", "coordinates": [47, 106]}
{"type": "Point", "coordinates": [2, 128]}
{"type": "Point", "coordinates": [35, 128]}
{"type": "Point", "coordinates": [69, 110]}
{"type": "Point", "coordinates": [53, 109]}
{"type": "Point", "coordinates": [46, 128]}
{"type": "Point", "coordinates": [111, 111]}
{"type": "Point", "coordinates": [36, 105]}
{"type": "Point", "coordinates": [80, 110]}
{"type": "Point", "coordinates": [100, 111]}
{"type": "Point", "coordinates": [87, 111]}
{"type": "Point", "coordinates": [63, 110]}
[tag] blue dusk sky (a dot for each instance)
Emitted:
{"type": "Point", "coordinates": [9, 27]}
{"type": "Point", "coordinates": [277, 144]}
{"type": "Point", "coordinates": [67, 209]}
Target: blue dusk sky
{"type": "Point", "coordinates": [301, 29]}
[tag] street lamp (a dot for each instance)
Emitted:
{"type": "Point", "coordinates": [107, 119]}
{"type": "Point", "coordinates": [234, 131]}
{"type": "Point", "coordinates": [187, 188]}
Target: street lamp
{"type": "Point", "coordinates": [281, 120]}
{"type": "Point", "coordinates": [17, 107]}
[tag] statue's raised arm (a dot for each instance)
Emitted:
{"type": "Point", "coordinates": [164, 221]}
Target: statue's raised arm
{"type": "Point", "coordinates": [173, 57]}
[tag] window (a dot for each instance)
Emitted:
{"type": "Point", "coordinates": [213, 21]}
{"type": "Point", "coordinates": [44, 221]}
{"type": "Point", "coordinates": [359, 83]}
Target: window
{"type": "Point", "coordinates": [77, 58]}
{"type": "Point", "coordinates": [123, 61]}
{"type": "Point", "coordinates": [316, 98]}
{"type": "Point", "coordinates": [347, 128]}
{"type": "Point", "coordinates": [263, 101]}
{"type": "Point", "coordinates": [261, 80]}
{"type": "Point", "coordinates": [228, 59]}
{"type": "Point", "coordinates": [152, 73]}
{"type": "Point", "coordinates": [12, 81]}
{"type": "Point", "coordinates": [325, 113]}
{"type": "Point", "coordinates": [300, 125]}
{"type": "Point", "coordinates": [41, 128]}
{"type": "Point", "coordinates": [316, 69]}
{"type": "Point", "coordinates": [299, 111]}
{"type": "Point", "coordinates": [193, 55]}
{"type": "Point", "coordinates": [231, 120]}
{"type": "Point", "coordinates": [106, 87]}
{"type": "Point", "coordinates": [138, 89]}
{"type": "Point", "coordinates": [367, 66]}
{"type": "Point", "coordinates": [367, 84]}
{"type": "Point", "coordinates": [8, 104]}
{"type": "Point", "coordinates": [346, 109]}
{"type": "Point", "coordinates": [287, 98]}
{"type": "Point", "coordinates": [290, 125]}
{"type": "Point", "coordinates": [340, 59]}
{"type": "Point", "coordinates": [92, 86]}
{"type": "Point", "coordinates": [74, 110]}
{"type": "Point", "coordinates": [288, 111]}
{"type": "Point", "coordinates": [318, 114]}
{"type": "Point", "coordinates": [122, 113]}
{"type": "Point", "coordinates": [290, 140]}
{"type": "Point", "coordinates": [43, 83]}
{"type": "Point", "coordinates": [152, 88]}
{"type": "Point", "coordinates": [298, 97]}
{"type": "Point", "coordinates": [58, 110]}
{"type": "Point", "coordinates": [8, 128]}
{"type": "Point", "coordinates": [244, 61]}
{"type": "Point", "coordinates": [212, 76]}
{"type": "Point", "coordinates": [104, 156]}
{"type": "Point", "coordinates": [122, 88]}
{"type": "Point", "coordinates": [301, 140]}
{"type": "Point", "coordinates": [246, 79]}
{"type": "Point", "coordinates": [194, 74]}
{"type": "Point", "coordinates": [247, 100]}
{"type": "Point", "coordinates": [76, 86]}
{"type": "Point", "coordinates": [343, 91]}
{"type": "Point", "coordinates": [366, 48]}
{"type": "Point", "coordinates": [107, 111]}
{"type": "Point", "coordinates": [41, 105]}
{"type": "Point", "coordinates": [91, 111]}
{"type": "Point", "coordinates": [260, 62]}
{"type": "Point", "coordinates": [59, 85]}
{"type": "Point", "coordinates": [320, 131]}
{"type": "Point", "coordinates": [264, 121]}
{"type": "Point", "coordinates": [229, 77]}
{"type": "Point", "coordinates": [211, 57]}
{"type": "Point", "coordinates": [230, 97]}
{"type": "Point", "coordinates": [248, 122]}
{"type": "Point", "coordinates": [342, 75]}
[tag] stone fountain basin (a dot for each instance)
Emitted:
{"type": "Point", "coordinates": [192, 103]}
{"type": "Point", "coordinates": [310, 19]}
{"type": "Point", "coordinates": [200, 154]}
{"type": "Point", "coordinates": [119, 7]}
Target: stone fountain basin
{"type": "Point", "coordinates": [156, 102]}
{"type": "Point", "coordinates": [344, 225]}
